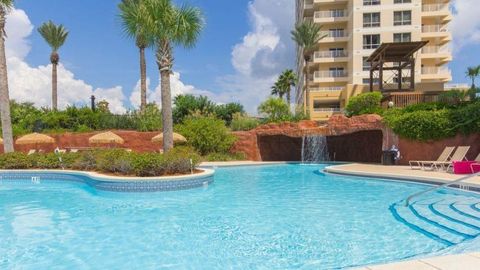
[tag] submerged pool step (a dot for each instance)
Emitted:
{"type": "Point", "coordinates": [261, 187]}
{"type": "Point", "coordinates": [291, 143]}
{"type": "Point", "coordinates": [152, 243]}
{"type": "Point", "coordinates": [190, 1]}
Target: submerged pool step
{"type": "Point", "coordinates": [415, 221]}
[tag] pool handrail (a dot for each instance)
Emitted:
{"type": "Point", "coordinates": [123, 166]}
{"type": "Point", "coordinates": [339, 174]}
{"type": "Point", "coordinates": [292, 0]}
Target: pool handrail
{"type": "Point", "coordinates": [409, 198]}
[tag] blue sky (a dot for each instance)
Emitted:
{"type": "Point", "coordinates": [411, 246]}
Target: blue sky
{"type": "Point", "coordinates": [244, 45]}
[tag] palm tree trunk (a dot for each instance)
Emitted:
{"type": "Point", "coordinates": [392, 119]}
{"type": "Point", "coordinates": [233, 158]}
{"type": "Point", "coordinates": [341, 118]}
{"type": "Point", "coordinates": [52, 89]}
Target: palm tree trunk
{"type": "Point", "coordinates": [164, 62]}
{"type": "Point", "coordinates": [54, 87]}
{"type": "Point", "coordinates": [4, 96]}
{"type": "Point", "coordinates": [143, 80]}
{"type": "Point", "coordinates": [307, 89]}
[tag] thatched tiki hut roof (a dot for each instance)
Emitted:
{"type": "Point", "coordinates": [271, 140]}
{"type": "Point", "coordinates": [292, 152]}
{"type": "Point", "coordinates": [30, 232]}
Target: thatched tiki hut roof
{"type": "Point", "coordinates": [106, 138]}
{"type": "Point", "coordinates": [177, 138]}
{"type": "Point", "coordinates": [35, 138]}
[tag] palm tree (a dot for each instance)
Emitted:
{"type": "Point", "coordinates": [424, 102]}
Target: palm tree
{"type": "Point", "coordinates": [278, 89]}
{"type": "Point", "coordinates": [55, 36]}
{"type": "Point", "coordinates": [473, 73]}
{"type": "Point", "coordinates": [307, 35]}
{"type": "Point", "coordinates": [171, 25]}
{"type": "Point", "coordinates": [5, 6]}
{"type": "Point", "coordinates": [288, 78]}
{"type": "Point", "coordinates": [132, 14]}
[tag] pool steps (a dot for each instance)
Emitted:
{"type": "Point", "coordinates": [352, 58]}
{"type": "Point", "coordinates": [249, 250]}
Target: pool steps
{"type": "Point", "coordinates": [448, 221]}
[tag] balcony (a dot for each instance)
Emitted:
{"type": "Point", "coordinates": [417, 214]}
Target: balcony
{"type": "Point", "coordinates": [330, 76]}
{"type": "Point", "coordinates": [442, 53]}
{"type": "Point", "coordinates": [437, 10]}
{"type": "Point", "coordinates": [339, 35]}
{"type": "Point", "coordinates": [436, 74]}
{"type": "Point", "coordinates": [436, 31]}
{"type": "Point", "coordinates": [329, 1]}
{"type": "Point", "coordinates": [330, 56]}
{"type": "Point", "coordinates": [324, 113]}
{"type": "Point", "coordinates": [308, 4]}
{"type": "Point", "coordinates": [327, 89]}
{"type": "Point", "coordinates": [331, 16]}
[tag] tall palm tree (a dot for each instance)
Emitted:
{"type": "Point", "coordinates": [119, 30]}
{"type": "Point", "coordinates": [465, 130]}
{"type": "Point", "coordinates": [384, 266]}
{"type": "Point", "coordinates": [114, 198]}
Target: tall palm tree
{"type": "Point", "coordinates": [55, 36]}
{"type": "Point", "coordinates": [171, 25]}
{"type": "Point", "coordinates": [5, 6]}
{"type": "Point", "coordinates": [307, 35]}
{"type": "Point", "coordinates": [473, 73]}
{"type": "Point", "coordinates": [288, 78]}
{"type": "Point", "coordinates": [132, 14]}
{"type": "Point", "coordinates": [278, 89]}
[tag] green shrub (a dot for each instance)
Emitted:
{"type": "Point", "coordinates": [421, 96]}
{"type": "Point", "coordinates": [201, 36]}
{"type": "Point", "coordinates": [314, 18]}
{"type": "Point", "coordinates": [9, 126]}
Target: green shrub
{"type": "Point", "coordinates": [16, 160]}
{"type": "Point", "coordinates": [86, 161]}
{"type": "Point", "coordinates": [114, 161]}
{"type": "Point", "coordinates": [421, 125]}
{"type": "Point", "coordinates": [453, 97]}
{"type": "Point", "coordinates": [274, 109]}
{"type": "Point", "coordinates": [148, 164]}
{"type": "Point", "coordinates": [181, 160]}
{"type": "Point", "coordinates": [466, 119]}
{"type": "Point", "coordinates": [46, 161]}
{"type": "Point", "coordinates": [241, 122]}
{"type": "Point", "coordinates": [365, 103]}
{"type": "Point", "coordinates": [206, 134]}
{"type": "Point", "coordinates": [225, 157]}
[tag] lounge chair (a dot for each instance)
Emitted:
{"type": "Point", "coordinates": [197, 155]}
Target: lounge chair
{"type": "Point", "coordinates": [73, 150]}
{"type": "Point", "coordinates": [475, 164]}
{"type": "Point", "coordinates": [31, 152]}
{"type": "Point", "coordinates": [459, 155]}
{"type": "Point", "coordinates": [444, 156]}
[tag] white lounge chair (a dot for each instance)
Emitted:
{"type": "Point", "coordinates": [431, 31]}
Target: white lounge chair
{"type": "Point", "coordinates": [459, 155]}
{"type": "Point", "coordinates": [31, 152]}
{"type": "Point", "coordinates": [444, 156]}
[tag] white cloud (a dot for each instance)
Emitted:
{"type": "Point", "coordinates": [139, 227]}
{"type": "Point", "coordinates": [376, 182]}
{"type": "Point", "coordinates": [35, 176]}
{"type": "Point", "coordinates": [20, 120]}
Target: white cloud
{"type": "Point", "coordinates": [263, 53]}
{"type": "Point", "coordinates": [466, 23]}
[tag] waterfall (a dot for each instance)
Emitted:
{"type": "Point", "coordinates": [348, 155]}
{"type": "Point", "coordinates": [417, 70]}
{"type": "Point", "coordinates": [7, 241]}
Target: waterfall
{"type": "Point", "coordinates": [314, 149]}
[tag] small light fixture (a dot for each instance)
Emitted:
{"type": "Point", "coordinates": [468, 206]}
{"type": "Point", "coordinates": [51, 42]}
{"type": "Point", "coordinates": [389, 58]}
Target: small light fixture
{"type": "Point", "coordinates": [391, 104]}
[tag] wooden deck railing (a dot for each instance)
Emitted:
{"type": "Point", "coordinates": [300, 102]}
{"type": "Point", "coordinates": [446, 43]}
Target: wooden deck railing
{"type": "Point", "coordinates": [403, 99]}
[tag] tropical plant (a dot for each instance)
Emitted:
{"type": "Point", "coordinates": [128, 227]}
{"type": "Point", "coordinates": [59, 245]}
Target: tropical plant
{"type": "Point", "coordinates": [473, 73]}
{"type": "Point", "coordinates": [242, 122]}
{"type": "Point", "coordinates": [185, 105]}
{"type": "Point", "coordinates": [226, 111]}
{"type": "Point", "coordinates": [55, 36]}
{"type": "Point", "coordinates": [7, 133]}
{"type": "Point", "coordinates": [132, 15]}
{"type": "Point", "coordinates": [364, 104]}
{"type": "Point", "coordinates": [288, 79]}
{"type": "Point", "coordinates": [170, 25]}
{"type": "Point", "coordinates": [278, 89]}
{"type": "Point", "coordinates": [275, 109]}
{"type": "Point", "coordinates": [307, 35]}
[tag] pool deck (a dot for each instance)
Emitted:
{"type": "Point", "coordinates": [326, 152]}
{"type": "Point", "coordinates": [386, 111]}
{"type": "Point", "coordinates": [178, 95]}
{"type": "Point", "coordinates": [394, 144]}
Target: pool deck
{"type": "Point", "coordinates": [401, 172]}
{"type": "Point", "coordinates": [469, 261]}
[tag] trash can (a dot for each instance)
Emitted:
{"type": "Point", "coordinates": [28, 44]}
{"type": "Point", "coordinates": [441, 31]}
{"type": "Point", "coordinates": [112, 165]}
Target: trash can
{"type": "Point", "coordinates": [388, 157]}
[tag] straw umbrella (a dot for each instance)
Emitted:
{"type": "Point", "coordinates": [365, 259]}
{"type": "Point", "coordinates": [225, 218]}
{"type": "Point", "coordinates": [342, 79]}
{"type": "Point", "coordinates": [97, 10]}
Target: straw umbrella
{"type": "Point", "coordinates": [35, 139]}
{"type": "Point", "coordinates": [177, 138]}
{"type": "Point", "coordinates": [106, 138]}
{"type": "Point", "coordinates": [1, 141]}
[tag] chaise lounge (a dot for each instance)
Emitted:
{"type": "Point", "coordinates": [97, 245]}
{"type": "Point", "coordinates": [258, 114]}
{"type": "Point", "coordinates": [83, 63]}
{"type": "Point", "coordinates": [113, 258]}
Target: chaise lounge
{"type": "Point", "coordinates": [444, 157]}
{"type": "Point", "coordinates": [459, 155]}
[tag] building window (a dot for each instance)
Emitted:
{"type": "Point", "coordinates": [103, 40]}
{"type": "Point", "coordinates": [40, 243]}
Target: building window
{"type": "Point", "coordinates": [371, 19]}
{"type": "Point", "coordinates": [366, 65]}
{"type": "Point", "coordinates": [367, 81]}
{"type": "Point", "coordinates": [337, 52]}
{"type": "Point", "coordinates": [402, 17]}
{"type": "Point", "coordinates": [337, 72]}
{"type": "Point", "coordinates": [371, 2]}
{"type": "Point", "coordinates": [402, 37]}
{"type": "Point", "coordinates": [334, 33]}
{"type": "Point", "coordinates": [371, 41]}
{"type": "Point", "coordinates": [402, 1]}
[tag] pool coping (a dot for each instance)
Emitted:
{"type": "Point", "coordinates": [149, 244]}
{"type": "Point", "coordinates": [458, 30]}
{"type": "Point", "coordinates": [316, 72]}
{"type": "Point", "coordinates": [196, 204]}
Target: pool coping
{"type": "Point", "coordinates": [111, 182]}
{"type": "Point", "coordinates": [344, 169]}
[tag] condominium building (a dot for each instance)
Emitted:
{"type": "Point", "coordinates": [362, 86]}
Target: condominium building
{"type": "Point", "coordinates": [353, 29]}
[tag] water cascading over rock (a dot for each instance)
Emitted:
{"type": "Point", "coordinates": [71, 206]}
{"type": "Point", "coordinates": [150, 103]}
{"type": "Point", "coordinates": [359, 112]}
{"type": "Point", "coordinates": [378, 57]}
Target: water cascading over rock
{"type": "Point", "coordinates": [315, 149]}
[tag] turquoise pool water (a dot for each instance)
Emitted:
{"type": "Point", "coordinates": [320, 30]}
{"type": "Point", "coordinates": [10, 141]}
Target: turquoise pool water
{"type": "Point", "coordinates": [265, 217]}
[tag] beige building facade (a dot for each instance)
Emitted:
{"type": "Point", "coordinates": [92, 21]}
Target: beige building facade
{"type": "Point", "coordinates": [354, 29]}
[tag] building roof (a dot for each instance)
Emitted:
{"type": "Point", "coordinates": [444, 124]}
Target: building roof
{"type": "Point", "coordinates": [396, 52]}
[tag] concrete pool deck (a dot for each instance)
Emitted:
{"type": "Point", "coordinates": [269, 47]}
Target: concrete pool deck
{"type": "Point", "coordinates": [402, 173]}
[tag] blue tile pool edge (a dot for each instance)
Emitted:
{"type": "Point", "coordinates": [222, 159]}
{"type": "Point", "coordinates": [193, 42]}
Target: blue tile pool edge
{"type": "Point", "coordinates": [112, 183]}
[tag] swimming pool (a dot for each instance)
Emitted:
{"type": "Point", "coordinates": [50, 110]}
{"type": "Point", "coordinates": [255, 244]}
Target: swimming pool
{"type": "Point", "coordinates": [271, 217]}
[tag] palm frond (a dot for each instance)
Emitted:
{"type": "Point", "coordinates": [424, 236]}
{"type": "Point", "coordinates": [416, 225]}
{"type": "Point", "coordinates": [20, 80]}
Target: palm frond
{"type": "Point", "coordinates": [135, 22]}
{"type": "Point", "coordinates": [54, 35]}
{"type": "Point", "coordinates": [6, 5]}
{"type": "Point", "coordinates": [307, 35]}
{"type": "Point", "coordinates": [189, 23]}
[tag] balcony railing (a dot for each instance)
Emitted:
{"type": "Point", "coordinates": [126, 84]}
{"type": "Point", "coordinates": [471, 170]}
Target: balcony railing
{"type": "Point", "coordinates": [330, 74]}
{"type": "Point", "coordinates": [330, 54]}
{"type": "Point", "coordinates": [434, 28]}
{"type": "Point", "coordinates": [434, 7]}
{"type": "Point", "coordinates": [335, 33]}
{"type": "Point", "coordinates": [339, 13]}
{"type": "Point", "coordinates": [435, 70]}
{"type": "Point", "coordinates": [333, 89]}
{"type": "Point", "coordinates": [436, 49]}
{"type": "Point", "coordinates": [308, 4]}
{"type": "Point", "coordinates": [327, 110]}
